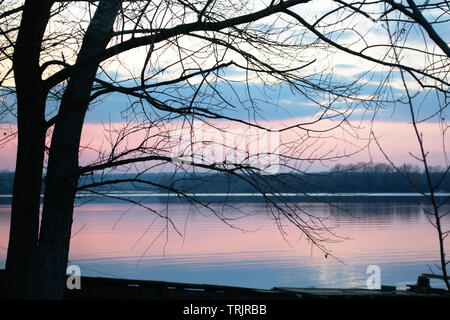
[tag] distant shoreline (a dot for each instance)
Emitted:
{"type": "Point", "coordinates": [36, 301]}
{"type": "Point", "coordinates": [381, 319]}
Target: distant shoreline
{"type": "Point", "coordinates": [154, 197]}
{"type": "Point", "coordinates": [249, 194]}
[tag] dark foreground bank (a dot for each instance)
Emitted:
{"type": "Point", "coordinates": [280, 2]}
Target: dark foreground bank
{"type": "Point", "coordinates": [97, 288]}
{"type": "Point", "coordinates": [166, 300]}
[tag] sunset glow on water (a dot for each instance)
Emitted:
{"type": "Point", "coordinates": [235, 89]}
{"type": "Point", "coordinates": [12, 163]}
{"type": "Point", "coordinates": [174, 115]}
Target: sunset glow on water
{"type": "Point", "coordinates": [114, 240]}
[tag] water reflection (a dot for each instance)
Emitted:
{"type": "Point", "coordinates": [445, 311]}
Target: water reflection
{"type": "Point", "coordinates": [114, 240]}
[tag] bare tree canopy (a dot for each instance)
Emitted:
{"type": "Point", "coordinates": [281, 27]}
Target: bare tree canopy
{"type": "Point", "coordinates": [188, 71]}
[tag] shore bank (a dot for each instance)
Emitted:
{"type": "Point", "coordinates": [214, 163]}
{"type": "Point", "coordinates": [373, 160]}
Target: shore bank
{"type": "Point", "coordinates": [98, 288]}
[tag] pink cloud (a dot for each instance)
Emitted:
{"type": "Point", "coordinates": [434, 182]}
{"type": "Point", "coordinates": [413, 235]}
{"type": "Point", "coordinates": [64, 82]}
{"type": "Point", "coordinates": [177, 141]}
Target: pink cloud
{"type": "Point", "coordinates": [323, 139]}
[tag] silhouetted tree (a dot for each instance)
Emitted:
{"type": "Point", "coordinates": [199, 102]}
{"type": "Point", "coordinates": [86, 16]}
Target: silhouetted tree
{"type": "Point", "coordinates": [59, 52]}
{"type": "Point", "coordinates": [58, 57]}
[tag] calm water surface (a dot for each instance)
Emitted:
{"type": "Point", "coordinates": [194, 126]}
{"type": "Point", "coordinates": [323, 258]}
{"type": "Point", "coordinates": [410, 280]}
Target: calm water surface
{"type": "Point", "coordinates": [116, 240]}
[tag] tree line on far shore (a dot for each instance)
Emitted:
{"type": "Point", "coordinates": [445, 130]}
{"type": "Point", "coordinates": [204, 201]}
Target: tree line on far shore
{"type": "Point", "coordinates": [360, 177]}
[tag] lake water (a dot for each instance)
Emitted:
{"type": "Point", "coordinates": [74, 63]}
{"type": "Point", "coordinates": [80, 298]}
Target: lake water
{"type": "Point", "coordinates": [119, 240]}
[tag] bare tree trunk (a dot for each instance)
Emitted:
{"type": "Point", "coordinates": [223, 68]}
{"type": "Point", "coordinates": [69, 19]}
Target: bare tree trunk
{"type": "Point", "coordinates": [63, 172]}
{"type": "Point", "coordinates": [441, 245]}
{"type": "Point", "coordinates": [31, 97]}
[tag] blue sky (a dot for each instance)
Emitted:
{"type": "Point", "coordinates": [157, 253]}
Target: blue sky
{"type": "Point", "coordinates": [271, 102]}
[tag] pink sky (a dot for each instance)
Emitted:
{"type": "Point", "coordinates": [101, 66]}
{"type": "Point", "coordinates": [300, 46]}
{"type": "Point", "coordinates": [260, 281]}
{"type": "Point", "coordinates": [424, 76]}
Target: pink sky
{"type": "Point", "coordinates": [396, 138]}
